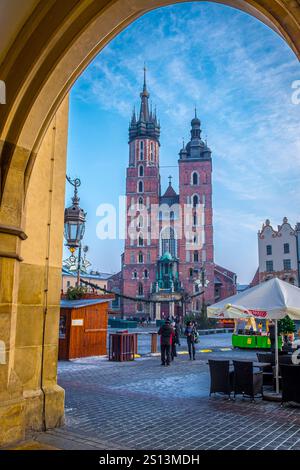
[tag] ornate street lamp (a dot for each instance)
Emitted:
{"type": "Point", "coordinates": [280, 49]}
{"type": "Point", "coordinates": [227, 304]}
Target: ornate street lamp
{"type": "Point", "coordinates": [74, 224]}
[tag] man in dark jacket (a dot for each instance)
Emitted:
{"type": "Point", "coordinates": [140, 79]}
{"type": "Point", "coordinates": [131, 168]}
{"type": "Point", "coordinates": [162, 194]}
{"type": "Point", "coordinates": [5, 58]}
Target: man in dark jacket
{"type": "Point", "coordinates": [166, 333]}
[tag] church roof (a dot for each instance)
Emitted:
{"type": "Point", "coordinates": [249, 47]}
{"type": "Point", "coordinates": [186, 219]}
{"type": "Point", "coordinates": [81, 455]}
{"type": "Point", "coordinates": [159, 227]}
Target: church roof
{"type": "Point", "coordinates": [169, 197]}
{"type": "Point", "coordinates": [146, 124]}
{"type": "Point", "coordinates": [170, 192]}
{"type": "Point", "coordinates": [196, 148]}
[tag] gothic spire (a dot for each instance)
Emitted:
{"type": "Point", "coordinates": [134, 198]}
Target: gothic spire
{"type": "Point", "coordinates": [144, 112]}
{"type": "Point", "coordinates": [146, 123]}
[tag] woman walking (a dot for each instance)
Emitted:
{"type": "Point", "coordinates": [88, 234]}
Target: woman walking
{"type": "Point", "coordinates": [191, 337]}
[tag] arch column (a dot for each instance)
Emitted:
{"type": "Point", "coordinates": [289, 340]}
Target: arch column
{"type": "Point", "coordinates": [30, 279]}
{"type": "Point", "coordinates": [11, 391]}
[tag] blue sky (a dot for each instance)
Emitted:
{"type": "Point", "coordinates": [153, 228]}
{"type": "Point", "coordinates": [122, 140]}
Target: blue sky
{"type": "Point", "coordinates": [239, 74]}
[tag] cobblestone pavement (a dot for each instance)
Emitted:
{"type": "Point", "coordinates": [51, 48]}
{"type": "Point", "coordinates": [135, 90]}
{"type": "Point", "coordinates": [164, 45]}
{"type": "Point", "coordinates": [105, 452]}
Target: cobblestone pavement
{"type": "Point", "coordinates": [142, 405]}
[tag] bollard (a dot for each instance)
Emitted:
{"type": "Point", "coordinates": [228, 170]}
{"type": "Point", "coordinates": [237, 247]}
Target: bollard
{"type": "Point", "coordinates": [135, 347]}
{"type": "Point", "coordinates": [153, 342]}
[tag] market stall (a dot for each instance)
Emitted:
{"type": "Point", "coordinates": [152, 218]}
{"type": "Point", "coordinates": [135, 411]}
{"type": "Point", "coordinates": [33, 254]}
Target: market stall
{"type": "Point", "coordinates": [270, 300]}
{"type": "Point", "coordinates": [252, 333]}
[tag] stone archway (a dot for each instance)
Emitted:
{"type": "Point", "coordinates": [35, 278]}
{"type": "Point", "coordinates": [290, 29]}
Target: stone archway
{"type": "Point", "coordinates": [41, 61]}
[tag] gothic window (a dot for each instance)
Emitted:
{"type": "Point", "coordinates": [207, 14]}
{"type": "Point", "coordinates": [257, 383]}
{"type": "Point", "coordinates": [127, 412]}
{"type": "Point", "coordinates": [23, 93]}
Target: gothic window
{"type": "Point", "coordinates": [141, 257]}
{"type": "Point", "coordinates": [195, 178]}
{"type": "Point", "coordinates": [151, 152]}
{"type": "Point", "coordinates": [141, 203]}
{"type": "Point", "coordinates": [168, 241]}
{"type": "Point", "coordinates": [141, 241]}
{"type": "Point", "coordinates": [196, 256]}
{"type": "Point", "coordinates": [146, 274]}
{"type": "Point", "coordinates": [140, 187]}
{"type": "Point", "coordinates": [141, 289]}
{"type": "Point", "coordinates": [191, 272]}
{"type": "Point", "coordinates": [141, 150]}
{"type": "Point", "coordinates": [134, 275]}
{"type": "Point", "coordinates": [141, 170]}
{"type": "Point", "coordinates": [195, 219]}
{"type": "Point", "coordinates": [141, 222]}
{"type": "Point", "coordinates": [195, 200]}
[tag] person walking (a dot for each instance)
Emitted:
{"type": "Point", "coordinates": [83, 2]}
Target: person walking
{"type": "Point", "coordinates": [167, 334]}
{"type": "Point", "coordinates": [191, 337]}
{"type": "Point", "coordinates": [175, 341]}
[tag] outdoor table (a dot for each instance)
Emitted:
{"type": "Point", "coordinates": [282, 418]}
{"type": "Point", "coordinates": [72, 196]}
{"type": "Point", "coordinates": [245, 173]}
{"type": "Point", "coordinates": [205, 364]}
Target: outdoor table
{"type": "Point", "coordinates": [254, 363]}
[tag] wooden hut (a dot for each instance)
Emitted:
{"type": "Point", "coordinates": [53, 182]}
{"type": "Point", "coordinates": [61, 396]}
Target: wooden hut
{"type": "Point", "coordinates": [83, 328]}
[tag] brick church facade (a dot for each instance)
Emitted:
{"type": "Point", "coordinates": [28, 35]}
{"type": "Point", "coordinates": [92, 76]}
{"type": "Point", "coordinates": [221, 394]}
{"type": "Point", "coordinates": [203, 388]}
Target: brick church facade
{"type": "Point", "coordinates": [169, 235]}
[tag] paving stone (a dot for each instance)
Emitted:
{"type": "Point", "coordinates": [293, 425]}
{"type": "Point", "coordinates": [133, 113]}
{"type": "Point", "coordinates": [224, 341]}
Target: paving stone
{"type": "Point", "coordinates": [139, 405]}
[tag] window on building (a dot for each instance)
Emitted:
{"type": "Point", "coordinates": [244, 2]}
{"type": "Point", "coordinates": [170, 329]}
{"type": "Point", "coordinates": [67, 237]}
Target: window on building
{"type": "Point", "coordinates": [140, 289]}
{"type": "Point", "coordinates": [140, 187]}
{"type": "Point", "coordinates": [191, 272]}
{"type": "Point", "coordinates": [168, 241]}
{"type": "Point", "coordinates": [141, 150]}
{"type": "Point", "coordinates": [152, 151]}
{"type": "Point", "coordinates": [287, 264]}
{"type": "Point", "coordinates": [132, 259]}
{"type": "Point", "coordinates": [197, 305]}
{"type": "Point", "coordinates": [134, 275]}
{"type": "Point", "coordinates": [141, 170]}
{"type": "Point", "coordinates": [195, 219]}
{"type": "Point", "coordinates": [196, 256]}
{"type": "Point", "coordinates": [141, 222]}
{"type": "Point", "coordinates": [68, 283]}
{"type": "Point", "coordinates": [141, 241]}
{"type": "Point", "coordinates": [141, 203]}
{"type": "Point", "coordinates": [116, 302]}
{"type": "Point", "coordinates": [269, 249]}
{"type": "Point", "coordinates": [269, 266]}
{"type": "Point", "coordinates": [195, 178]}
{"type": "Point", "coordinates": [195, 200]}
{"type": "Point", "coordinates": [148, 257]}
{"type": "Point", "coordinates": [141, 257]}
{"type": "Point", "coordinates": [286, 248]}
{"type": "Point", "coordinates": [146, 274]}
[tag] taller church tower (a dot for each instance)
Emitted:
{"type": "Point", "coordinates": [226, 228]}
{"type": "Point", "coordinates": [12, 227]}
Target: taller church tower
{"type": "Point", "coordinates": [142, 191]}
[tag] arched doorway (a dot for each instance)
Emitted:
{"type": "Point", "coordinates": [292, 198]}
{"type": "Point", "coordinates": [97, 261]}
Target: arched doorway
{"type": "Point", "coordinates": [38, 80]}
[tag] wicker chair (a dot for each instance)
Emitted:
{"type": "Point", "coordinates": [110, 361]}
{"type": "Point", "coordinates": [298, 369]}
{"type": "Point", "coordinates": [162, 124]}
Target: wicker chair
{"type": "Point", "coordinates": [290, 383]}
{"type": "Point", "coordinates": [246, 382]}
{"type": "Point", "coordinates": [282, 361]}
{"type": "Point", "coordinates": [221, 379]}
{"type": "Point", "coordinates": [267, 371]}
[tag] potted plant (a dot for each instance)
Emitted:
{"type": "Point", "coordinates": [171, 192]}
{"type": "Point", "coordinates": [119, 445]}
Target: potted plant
{"type": "Point", "coordinates": [287, 327]}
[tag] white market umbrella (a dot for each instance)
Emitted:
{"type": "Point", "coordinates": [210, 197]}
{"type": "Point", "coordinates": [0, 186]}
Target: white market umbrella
{"type": "Point", "coordinates": [270, 300]}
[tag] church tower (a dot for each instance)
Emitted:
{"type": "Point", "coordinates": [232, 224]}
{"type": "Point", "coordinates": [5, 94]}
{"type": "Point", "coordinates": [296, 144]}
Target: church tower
{"type": "Point", "coordinates": [195, 189]}
{"type": "Point", "coordinates": [142, 191]}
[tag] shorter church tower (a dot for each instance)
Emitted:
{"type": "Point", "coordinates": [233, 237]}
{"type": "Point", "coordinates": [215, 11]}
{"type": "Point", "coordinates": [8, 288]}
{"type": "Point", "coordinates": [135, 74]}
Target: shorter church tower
{"type": "Point", "coordinates": [195, 194]}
